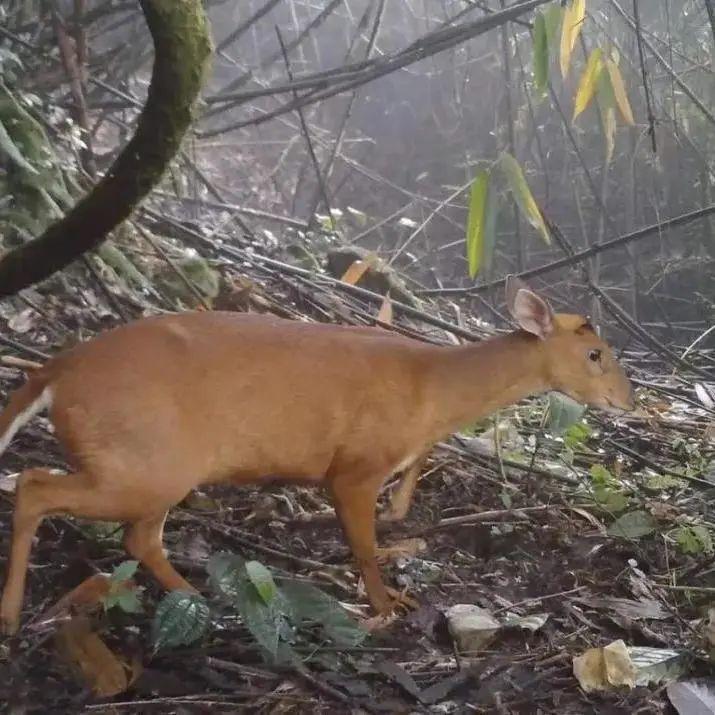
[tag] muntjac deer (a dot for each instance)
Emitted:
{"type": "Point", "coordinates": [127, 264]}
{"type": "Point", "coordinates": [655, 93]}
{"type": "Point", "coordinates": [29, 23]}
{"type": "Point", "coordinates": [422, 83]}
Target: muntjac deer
{"type": "Point", "coordinates": [152, 409]}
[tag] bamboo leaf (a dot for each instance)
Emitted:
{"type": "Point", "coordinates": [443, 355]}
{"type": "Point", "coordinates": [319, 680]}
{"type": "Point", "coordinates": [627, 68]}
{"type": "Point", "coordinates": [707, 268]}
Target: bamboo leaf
{"type": "Point", "coordinates": [573, 18]}
{"type": "Point", "coordinates": [552, 17]}
{"type": "Point", "coordinates": [588, 82]}
{"type": "Point", "coordinates": [522, 194]}
{"type": "Point", "coordinates": [490, 221]}
{"type": "Point", "coordinates": [475, 222]}
{"type": "Point", "coordinates": [607, 110]}
{"type": "Point", "coordinates": [541, 53]}
{"type": "Point", "coordinates": [619, 90]}
{"type": "Point", "coordinates": [609, 132]}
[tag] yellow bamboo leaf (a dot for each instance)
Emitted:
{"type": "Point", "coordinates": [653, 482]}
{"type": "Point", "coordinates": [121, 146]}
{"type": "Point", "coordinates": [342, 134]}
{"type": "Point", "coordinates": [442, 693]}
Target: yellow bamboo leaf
{"type": "Point", "coordinates": [588, 82]}
{"type": "Point", "coordinates": [619, 90]}
{"type": "Point", "coordinates": [522, 194]}
{"type": "Point", "coordinates": [574, 15]}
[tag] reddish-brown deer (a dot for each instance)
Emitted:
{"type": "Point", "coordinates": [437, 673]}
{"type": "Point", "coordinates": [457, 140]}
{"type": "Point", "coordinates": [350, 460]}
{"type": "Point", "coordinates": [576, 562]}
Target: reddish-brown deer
{"type": "Point", "coordinates": [152, 409]}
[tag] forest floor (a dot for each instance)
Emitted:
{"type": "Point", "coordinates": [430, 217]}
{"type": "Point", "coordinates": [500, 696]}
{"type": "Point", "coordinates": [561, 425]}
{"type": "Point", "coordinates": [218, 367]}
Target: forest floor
{"type": "Point", "coordinates": [527, 536]}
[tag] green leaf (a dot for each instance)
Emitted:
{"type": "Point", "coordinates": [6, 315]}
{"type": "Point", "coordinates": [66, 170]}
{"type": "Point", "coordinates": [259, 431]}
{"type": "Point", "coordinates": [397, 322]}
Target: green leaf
{"type": "Point", "coordinates": [125, 571]}
{"type": "Point", "coordinates": [10, 149]}
{"type": "Point", "coordinates": [227, 571]}
{"type": "Point", "coordinates": [490, 222]}
{"type": "Point", "coordinates": [180, 619]}
{"type": "Point", "coordinates": [476, 221]}
{"type": "Point", "coordinates": [522, 194]}
{"type": "Point", "coordinates": [576, 435]}
{"type": "Point", "coordinates": [609, 499]}
{"type": "Point", "coordinates": [261, 578]}
{"type": "Point", "coordinates": [601, 475]}
{"type": "Point", "coordinates": [633, 525]}
{"type": "Point", "coordinates": [541, 53]}
{"type": "Point", "coordinates": [126, 599]}
{"type": "Point", "coordinates": [552, 18]}
{"type": "Point", "coordinates": [563, 412]}
{"type": "Point", "coordinates": [263, 621]}
{"type": "Point", "coordinates": [694, 539]}
{"type": "Point", "coordinates": [312, 604]}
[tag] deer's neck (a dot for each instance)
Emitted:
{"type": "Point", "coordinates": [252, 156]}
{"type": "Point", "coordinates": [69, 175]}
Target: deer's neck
{"type": "Point", "coordinates": [472, 381]}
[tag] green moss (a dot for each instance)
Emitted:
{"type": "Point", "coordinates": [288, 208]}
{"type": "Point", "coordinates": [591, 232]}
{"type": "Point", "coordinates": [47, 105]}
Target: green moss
{"type": "Point", "coordinates": [182, 43]}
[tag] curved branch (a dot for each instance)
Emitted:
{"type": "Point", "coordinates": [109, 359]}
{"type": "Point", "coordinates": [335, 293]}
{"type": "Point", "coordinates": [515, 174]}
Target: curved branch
{"type": "Point", "coordinates": [182, 46]}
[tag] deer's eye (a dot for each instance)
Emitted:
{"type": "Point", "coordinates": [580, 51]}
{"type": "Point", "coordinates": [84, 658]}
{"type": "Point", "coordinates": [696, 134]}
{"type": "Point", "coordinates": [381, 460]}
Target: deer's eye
{"type": "Point", "coordinates": [594, 355]}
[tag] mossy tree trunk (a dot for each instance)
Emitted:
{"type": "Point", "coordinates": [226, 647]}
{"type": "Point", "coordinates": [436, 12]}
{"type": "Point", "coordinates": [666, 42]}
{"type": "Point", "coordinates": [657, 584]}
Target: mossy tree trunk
{"type": "Point", "coordinates": [182, 47]}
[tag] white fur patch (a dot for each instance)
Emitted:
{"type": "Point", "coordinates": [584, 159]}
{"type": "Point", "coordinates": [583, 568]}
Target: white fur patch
{"type": "Point", "coordinates": [41, 402]}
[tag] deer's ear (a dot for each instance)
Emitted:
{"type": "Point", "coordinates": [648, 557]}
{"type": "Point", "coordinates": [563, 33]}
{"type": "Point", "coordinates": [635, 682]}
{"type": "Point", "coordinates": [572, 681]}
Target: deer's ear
{"type": "Point", "coordinates": [531, 312]}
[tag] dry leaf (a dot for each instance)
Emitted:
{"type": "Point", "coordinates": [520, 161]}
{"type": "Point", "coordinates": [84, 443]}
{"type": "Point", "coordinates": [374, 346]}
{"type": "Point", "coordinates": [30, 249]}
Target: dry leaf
{"type": "Point", "coordinates": [690, 698]}
{"type": "Point", "coordinates": [604, 668]}
{"type": "Point", "coordinates": [355, 272]}
{"type": "Point", "coordinates": [619, 90]}
{"type": "Point", "coordinates": [87, 654]}
{"type": "Point", "coordinates": [473, 628]}
{"type": "Point", "coordinates": [385, 314]}
{"type": "Point", "coordinates": [403, 549]}
{"type": "Point", "coordinates": [22, 321]}
{"type": "Point", "coordinates": [85, 597]}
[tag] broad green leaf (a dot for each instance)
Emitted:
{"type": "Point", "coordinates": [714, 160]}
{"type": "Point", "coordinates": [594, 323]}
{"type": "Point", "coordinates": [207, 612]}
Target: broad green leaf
{"type": "Point", "coordinates": [476, 221]}
{"type": "Point", "coordinates": [181, 618]}
{"type": "Point", "coordinates": [312, 604]}
{"type": "Point", "coordinates": [10, 149]}
{"type": "Point", "coordinates": [261, 578]}
{"type": "Point", "coordinates": [619, 90]}
{"type": "Point", "coordinates": [125, 571]}
{"type": "Point", "coordinates": [588, 82]}
{"type": "Point", "coordinates": [695, 539]}
{"type": "Point", "coordinates": [573, 17]}
{"type": "Point", "coordinates": [227, 571]}
{"type": "Point", "coordinates": [633, 525]}
{"type": "Point", "coordinates": [263, 621]}
{"type": "Point", "coordinates": [563, 412]}
{"type": "Point", "coordinates": [522, 194]}
{"type": "Point", "coordinates": [541, 53]}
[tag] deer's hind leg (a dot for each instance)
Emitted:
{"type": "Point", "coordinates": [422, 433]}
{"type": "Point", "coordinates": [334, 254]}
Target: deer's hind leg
{"type": "Point", "coordinates": [41, 493]}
